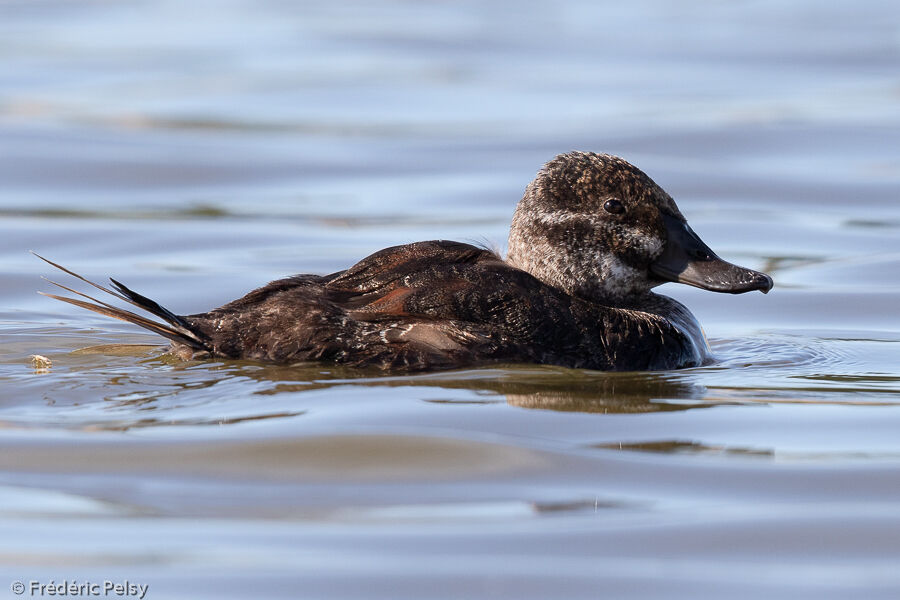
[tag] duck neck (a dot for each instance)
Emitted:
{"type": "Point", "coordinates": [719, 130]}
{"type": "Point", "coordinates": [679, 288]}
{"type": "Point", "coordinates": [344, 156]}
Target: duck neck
{"type": "Point", "coordinates": [597, 278]}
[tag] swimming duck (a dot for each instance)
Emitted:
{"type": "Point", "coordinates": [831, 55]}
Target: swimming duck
{"type": "Point", "coordinates": [590, 239]}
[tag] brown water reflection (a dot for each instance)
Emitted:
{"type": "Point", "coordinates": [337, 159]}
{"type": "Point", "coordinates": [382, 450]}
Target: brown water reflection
{"type": "Point", "coordinates": [533, 387]}
{"type": "Point", "coordinates": [686, 447]}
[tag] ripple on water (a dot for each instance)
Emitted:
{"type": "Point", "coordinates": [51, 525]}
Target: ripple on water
{"type": "Point", "coordinates": [104, 387]}
{"type": "Point", "coordinates": [824, 365]}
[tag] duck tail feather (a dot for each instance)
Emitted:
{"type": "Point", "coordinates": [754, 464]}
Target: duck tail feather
{"type": "Point", "coordinates": [177, 329]}
{"type": "Point", "coordinates": [151, 306]}
{"type": "Point", "coordinates": [77, 276]}
{"type": "Point", "coordinates": [130, 317]}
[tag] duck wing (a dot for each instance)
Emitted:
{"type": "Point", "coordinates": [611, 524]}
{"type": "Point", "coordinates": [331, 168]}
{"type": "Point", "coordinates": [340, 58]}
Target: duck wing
{"type": "Point", "coordinates": [456, 299]}
{"type": "Point", "coordinates": [420, 306]}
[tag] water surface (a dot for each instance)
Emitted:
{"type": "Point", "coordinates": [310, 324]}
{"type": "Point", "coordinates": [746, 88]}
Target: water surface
{"type": "Point", "coordinates": [197, 151]}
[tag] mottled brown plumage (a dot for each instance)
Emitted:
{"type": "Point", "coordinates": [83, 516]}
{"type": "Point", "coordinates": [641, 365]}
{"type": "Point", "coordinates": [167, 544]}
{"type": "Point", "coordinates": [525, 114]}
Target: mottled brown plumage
{"type": "Point", "coordinates": [591, 237]}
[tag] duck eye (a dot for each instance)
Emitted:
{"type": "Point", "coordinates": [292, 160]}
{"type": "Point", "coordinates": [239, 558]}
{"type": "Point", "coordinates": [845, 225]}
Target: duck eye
{"type": "Point", "coordinates": [613, 207]}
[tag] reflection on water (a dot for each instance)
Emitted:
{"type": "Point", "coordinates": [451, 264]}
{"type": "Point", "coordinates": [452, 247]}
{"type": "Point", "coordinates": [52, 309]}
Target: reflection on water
{"type": "Point", "coordinates": [686, 447]}
{"type": "Point", "coordinates": [125, 386]}
{"type": "Point", "coordinates": [549, 388]}
{"type": "Point", "coordinates": [197, 150]}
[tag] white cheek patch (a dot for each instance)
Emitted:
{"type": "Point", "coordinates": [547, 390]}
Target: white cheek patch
{"type": "Point", "coordinates": [653, 246]}
{"type": "Point", "coordinates": [619, 280]}
{"type": "Point", "coordinates": [617, 272]}
{"type": "Point", "coordinates": [649, 245]}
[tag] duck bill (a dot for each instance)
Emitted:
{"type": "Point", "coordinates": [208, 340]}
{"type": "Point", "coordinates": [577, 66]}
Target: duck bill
{"type": "Point", "coordinates": [686, 259]}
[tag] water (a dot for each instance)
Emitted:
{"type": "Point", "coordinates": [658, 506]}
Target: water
{"type": "Point", "coordinates": [197, 150]}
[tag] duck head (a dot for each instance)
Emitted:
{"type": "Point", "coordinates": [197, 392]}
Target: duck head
{"type": "Point", "coordinates": [597, 227]}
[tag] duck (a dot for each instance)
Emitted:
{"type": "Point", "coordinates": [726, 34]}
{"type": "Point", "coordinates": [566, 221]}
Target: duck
{"type": "Point", "coordinates": [590, 239]}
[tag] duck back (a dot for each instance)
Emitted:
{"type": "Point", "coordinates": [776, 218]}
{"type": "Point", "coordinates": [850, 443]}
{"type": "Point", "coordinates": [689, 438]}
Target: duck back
{"type": "Point", "coordinates": [436, 304]}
